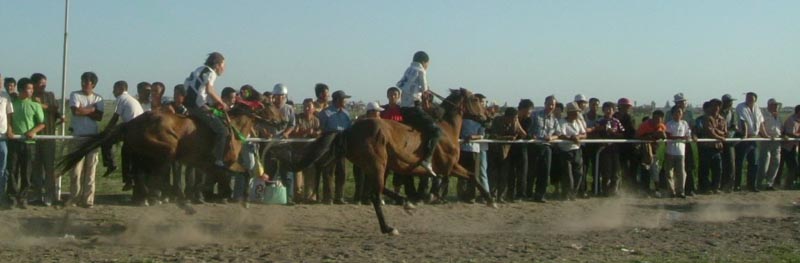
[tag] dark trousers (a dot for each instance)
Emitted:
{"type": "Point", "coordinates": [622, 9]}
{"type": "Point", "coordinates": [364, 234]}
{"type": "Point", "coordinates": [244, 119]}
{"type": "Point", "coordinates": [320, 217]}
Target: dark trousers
{"type": "Point", "coordinates": [418, 119]}
{"type": "Point", "coordinates": [589, 152]}
{"type": "Point", "coordinates": [571, 171]}
{"type": "Point", "coordinates": [710, 173]}
{"type": "Point", "coordinates": [20, 164]}
{"type": "Point", "coordinates": [609, 170]}
{"type": "Point", "coordinates": [407, 183]}
{"type": "Point", "coordinates": [542, 156]}
{"type": "Point", "coordinates": [519, 171]}
{"type": "Point", "coordinates": [466, 188]}
{"type": "Point", "coordinates": [107, 155]}
{"type": "Point", "coordinates": [789, 157]}
{"type": "Point", "coordinates": [689, 165]}
{"type": "Point", "coordinates": [44, 175]}
{"type": "Point", "coordinates": [333, 180]}
{"type": "Point", "coordinates": [628, 164]}
{"type": "Point", "coordinates": [728, 166]}
{"type": "Point", "coordinates": [746, 150]}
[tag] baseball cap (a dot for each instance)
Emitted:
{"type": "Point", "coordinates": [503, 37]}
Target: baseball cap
{"type": "Point", "coordinates": [280, 89]}
{"type": "Point", "coordinates": [624, 101]}
{"type": "Point", "coordinates": [340, 94]}
{"type": "Point", "coordinates": [374, 106]}
{"type": "Point", "coordinates": [679, 97]}
{"type": "Point", "coordinates": [727, 97]}
{"type": "Point", "coordinates": [580, 97]}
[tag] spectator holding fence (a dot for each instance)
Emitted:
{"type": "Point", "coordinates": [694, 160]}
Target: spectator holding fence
{"type": "Point", "coordinates": [609, 128]}
{"type": "Point", "coordinates": [6, 111]}
{"type": "Point", "coordinates": [651, 129]}
{"type": "Point", "coordinates": [501, 174]}
{"type": "Point", "coordinates": [729, 148]}
{"type": "Point", "coordinates": [44, 162]}
{"type": "Point", "coordinates": [791, 129]}
{"type": "Point", "coordinates": [710, 126]}
{"type": "Point", "coordinates": [571, 131]}
{"type": "Point", "coordinates": [770, 151]}
{"type": "Point", "coordinates": [677, 129]}
{"type": "Point", "coordinates": [27, 120]}
{"type": "Point", "coordinates": [335, 118]}
{"type": "Point", "coordinates": [751, 125]}
{"type": "Point", "coordinates": [543, 127]}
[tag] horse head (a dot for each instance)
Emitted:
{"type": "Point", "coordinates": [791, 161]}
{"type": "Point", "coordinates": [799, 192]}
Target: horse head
{"type": "Point", "coordinates": [261, 113]}
{"type": "Point", "coordinates": [467, 104]}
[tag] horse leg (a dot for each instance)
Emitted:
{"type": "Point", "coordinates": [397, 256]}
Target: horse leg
{"type": "Point", "coordinates": [460, 171]}
{"type": "Point", "coordinates": [376, 179]}
{"type": "Point", "coordinates": [398, 198]}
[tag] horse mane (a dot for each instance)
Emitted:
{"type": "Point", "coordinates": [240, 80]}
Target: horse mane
{"type": "Point", "coordinates": [449, 104]}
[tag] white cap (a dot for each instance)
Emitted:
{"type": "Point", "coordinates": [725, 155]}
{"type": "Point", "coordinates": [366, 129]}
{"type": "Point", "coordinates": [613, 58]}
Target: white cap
{"type": "Point", "coordinates": [678, 97]}
{"type": "Point", "coordinates": [280, 89]}
{"type": "Point", "coordinates": [374, 106]}
{"type": "Point", "coordinates": [580, 97]}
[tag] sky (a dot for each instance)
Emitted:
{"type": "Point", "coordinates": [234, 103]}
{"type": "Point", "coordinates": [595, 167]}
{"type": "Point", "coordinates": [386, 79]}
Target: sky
{"type": "Point", "coordinates": [508, 50]}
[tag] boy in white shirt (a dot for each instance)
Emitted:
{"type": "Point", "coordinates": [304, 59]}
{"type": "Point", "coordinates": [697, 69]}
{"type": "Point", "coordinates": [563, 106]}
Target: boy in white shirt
{"type": "Point", "coordinates": [678, 129]}
{"type": "Point", "coordinates": [572, 130]}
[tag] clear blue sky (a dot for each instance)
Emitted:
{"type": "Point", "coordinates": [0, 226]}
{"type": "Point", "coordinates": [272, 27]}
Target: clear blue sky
{"type": "Point", "coordinates": [644, 50]}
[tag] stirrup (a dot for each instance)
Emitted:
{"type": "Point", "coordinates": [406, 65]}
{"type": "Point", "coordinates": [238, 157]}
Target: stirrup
{"type": "Point", "coordinates": [428, 168]}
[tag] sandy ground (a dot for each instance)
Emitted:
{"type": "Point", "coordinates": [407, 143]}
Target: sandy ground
{"type": "Point", "coordinates": [760, 227]}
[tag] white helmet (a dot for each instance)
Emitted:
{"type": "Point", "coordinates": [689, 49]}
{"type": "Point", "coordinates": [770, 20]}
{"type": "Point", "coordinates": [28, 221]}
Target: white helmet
{"type": "Point", "coordinates": [280, 89]}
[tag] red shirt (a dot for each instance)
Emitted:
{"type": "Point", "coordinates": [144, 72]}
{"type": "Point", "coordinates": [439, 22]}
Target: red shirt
{"type": "Point", "coordinates": [392, 113]}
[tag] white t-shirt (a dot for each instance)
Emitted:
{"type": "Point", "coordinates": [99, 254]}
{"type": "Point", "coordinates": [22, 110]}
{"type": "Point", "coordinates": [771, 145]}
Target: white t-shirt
{"type": "Point", "coordinates": [83, 125]}
{"type": "Point", "coordinates": [677, 129]}
{"type": "Point", "coordinates": [196, 85]}
{"type": "Point", "coordinates": [413, 83]}
{"type": "Point", "coordinates": [772, 125]}
{"type": "Point", "coordinates": [128, 107]}
{"type": "Point", "coordinates": [570, 129]}
{"type": "Point", "coordinates": [752, 117]}
{"type": "Point", "coordinates": [5, 109]}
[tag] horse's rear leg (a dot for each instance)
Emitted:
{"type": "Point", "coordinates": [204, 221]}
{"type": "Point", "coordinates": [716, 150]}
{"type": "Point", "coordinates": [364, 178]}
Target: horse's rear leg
{"type": "Point", "coordinates": [398, 198]}
{"type": "Point", "coordinates": [460, 171]}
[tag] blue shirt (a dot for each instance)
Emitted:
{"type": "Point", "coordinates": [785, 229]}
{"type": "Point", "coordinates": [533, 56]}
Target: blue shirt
{"type": "Point", "coordinates": [543, 125]}
{"type": "Point", "coordinates": [334, 119]}
{"type": "Point", "coordinates": [469, 128]}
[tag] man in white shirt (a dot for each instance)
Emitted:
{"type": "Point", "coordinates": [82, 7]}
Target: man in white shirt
{"type": "Point", "coordinates": [674, 163]}
{"type": "Point", "coordinates": [127, 108]}
{"type": "Point", "coordinates": [87, 111]}
{"type": "Point", "coordinates": [770, 152]}
{"type": "Point", "coordinates": [6, 109]}
{"type": "Point", "coordinates": [572, 130]}
{"type": "Point", "coordinates": [750, 126]}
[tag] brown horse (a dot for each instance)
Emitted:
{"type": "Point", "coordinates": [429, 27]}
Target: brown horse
{"type": "Point", "coordinates": [161, 138]}
{"type": "Point", "coordinates": [377, 145]}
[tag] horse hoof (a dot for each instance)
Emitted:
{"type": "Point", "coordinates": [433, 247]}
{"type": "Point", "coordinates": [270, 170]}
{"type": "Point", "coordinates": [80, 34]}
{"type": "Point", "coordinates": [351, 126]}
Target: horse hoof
{"type": "Point", "coordinates": [409, 206]}
{"type": "Point", "coordinates": [492, 205]}
{"type": "Point", "coordinates": [245, 205]}
{"type": "Point", "coordinates": [394, 232]}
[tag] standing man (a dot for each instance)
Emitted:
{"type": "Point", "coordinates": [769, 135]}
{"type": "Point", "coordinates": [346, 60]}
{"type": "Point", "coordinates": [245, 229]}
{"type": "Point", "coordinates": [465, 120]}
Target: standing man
{"type": "Point", "coordinates": [751, 125]}
{"type": "Point", "coordinates": [334, 119]}
{"type": "Point", "coordinates": [543, 127]}
{"type": "Point", "coordinates": [688, 116]}
{"type": "Point", "coordinates": [44, 162]}
{"type": "Point", "coordinates": [279, 95]}
{"type": "Point", "coordinates": [321, 91]}
{"type": "Point", "coordinates": [27, 120]}
{"type": "Point", "coordinates": [307, 127]}
{"type": "Point", "coordinates": [392, 112]}
{"type": "Point", "coordinates": [126, 108]}
{"type": "Point", "coordinates": [519, 151]}
{"type": "Point", "coordinates": [143, 94]}
{"type": "Point", "coordinates": [6, 112]}
{"type": "Point", "coordinates": [413, 85]}
{"type": "Point", "coordinates": [87, 111]}
{"type": "Point", "coordinates": [729, 148]}
{"type": "Point", "coordinates": [770, 152]}
{"type": "Point", "coordinates": [628, 152]}
{"type": "Point", "coordinates": [791, 129]}
{"type": "Point", "coordinates": [710, 126]}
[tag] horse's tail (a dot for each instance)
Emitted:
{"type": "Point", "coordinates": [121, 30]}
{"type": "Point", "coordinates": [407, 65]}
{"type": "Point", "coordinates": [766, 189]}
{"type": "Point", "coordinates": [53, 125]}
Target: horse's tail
{"type": "Point", "coordinates": [324, 150]}
{"type": "Point", "coordinates": [94, 141]}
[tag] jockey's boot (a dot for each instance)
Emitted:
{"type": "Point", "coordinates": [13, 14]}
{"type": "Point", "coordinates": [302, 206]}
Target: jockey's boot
{"type": "Point", "coordinates": [428, 167]}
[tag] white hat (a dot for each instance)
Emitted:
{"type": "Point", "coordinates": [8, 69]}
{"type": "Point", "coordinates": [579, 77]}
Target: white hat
{"type": "Point", "coordinates": [580, 97]}
{"type": "Point", "coordinates": [374, 106]}
{"type": "Point", "coordinates": [280, 89]}
{"type": "Point", "coordinates": [573, 106]}
{"type": "Point", "coordinates": [679, 97]}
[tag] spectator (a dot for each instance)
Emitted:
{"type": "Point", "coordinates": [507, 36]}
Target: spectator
{"type": "Point", "coordinates": [10, 85]}
{"type": "Point", "coordinates": [751, 125]}
{"type": "Point", "coordinates": [710, 126]}
{"type": "Point", "coordinates": [308, 127]}
{"type": "Point", "coordinates": [769, 151]}
{"type": "Point", "coordinates": [572, 131]}
{"type": "Point", "coordinates": [280, 93]}
{"type": "Point", "coordinates": [543, 127]}
{"type": "Point", "coordinates": [688, 116]}
{"type": "Point", "coordinates": [127, 108]}
{"type": "Point", "coordinates": [473, 157]}
{"type": "Point", "coordinates": [44, 172]}
{"type": "Point", "coordinates": [6, 132]}
{"type": "Point", "coordinates": [143, 94]}
{"type": "Point", "coordinates": [321, 91]}
{"type": "Point", "coordinates": [519, 153]}
{"type": "Point", "coordinates": [335, 119]}
{"type": "Point", "coordinates": [677, 129]}
{"type": "Point", "coordinates": [589, 150]}
{"type": "Point", "coordinates": [501, 174]}
{"type": "Point", "coordinates": [729, 148]}
{"type": "Point", "coordinates": [87, 111]}
{"type": "Point", "coordinates": [609, 128]}
{"type": "Point", "coordinates": [628, 152]}
{"type": "Point", "coordinates": [392, 112]}
{"type": "Point", "coordinates": [791, 129]}
{"type": "Point", "coordinates": [157, 90]}
{"type": "Point", "coordinates": [27, 119]}
{"type": "Point", "coordinates": [228, 95]}
{"type": "Point", "coordinates": [651, 129]}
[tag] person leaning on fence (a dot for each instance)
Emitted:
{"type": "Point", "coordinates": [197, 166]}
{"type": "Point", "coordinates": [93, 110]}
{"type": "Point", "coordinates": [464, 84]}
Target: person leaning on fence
{"type": "Point", "coordinates": [27, 120]}
{"type": "Point", "coordinates": [473, 157]}
{"type": "Point", "coordinates": [651, 129]}
{"type": "Point", "coordinates": [501, 172]}
{"type": "Point", "coordinates": [307, 127]}
{"type": "Point", "coordinates": [751, 125]}
{"type": "Point", "coordinates": [628, 152]}
{"type": "Point", "coordinates": [278, 169]}
{"type": "Point", "coordinates": [609, 127]}
{"type": "Point", "coordinates": [681, 102]}
{"type": "Point", "coordinates": [44, 163]}
{"type": "Point", "coordinates": [6, 131]}
{"type": "Point", "coordinates": [519, 153]}
{"type": "Point", "coordinates": [543, 127]}
{"type": "Point", "coordinates": [729, 148]}
{"type": "Point", "coordinates": [710, 126]}
{"type": "Point", "coordinates": [677, 129]}
{"type": "Point", "coordinates": [769, 152]}
{"type": "Point", "coordinates": [791, 129]}
{"type": "Point", "coordinates": [571, 131]}
{"type": "Point", "coordinates": [334, 119]}
{"type": "Point", "coordinates": [589, 150]}
{"type": "Point", "coordinates": [87, 111]}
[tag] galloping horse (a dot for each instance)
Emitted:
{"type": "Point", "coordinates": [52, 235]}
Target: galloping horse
{"type": "Point", "coordinates": [161, 138]}
{"type": "Point", "coordinates": [377, 145]}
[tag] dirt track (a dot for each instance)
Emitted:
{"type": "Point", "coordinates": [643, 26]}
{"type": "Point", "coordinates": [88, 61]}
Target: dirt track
{"type": "Point", "coordinates": [732, 227]}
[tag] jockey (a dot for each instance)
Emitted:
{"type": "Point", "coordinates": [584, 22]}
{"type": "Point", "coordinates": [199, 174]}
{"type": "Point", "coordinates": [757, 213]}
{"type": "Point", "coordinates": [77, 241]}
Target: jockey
{"type": "Point", "coordinates": [199, 86]}
{"type": "Point", "coordinates": [413, 84]}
